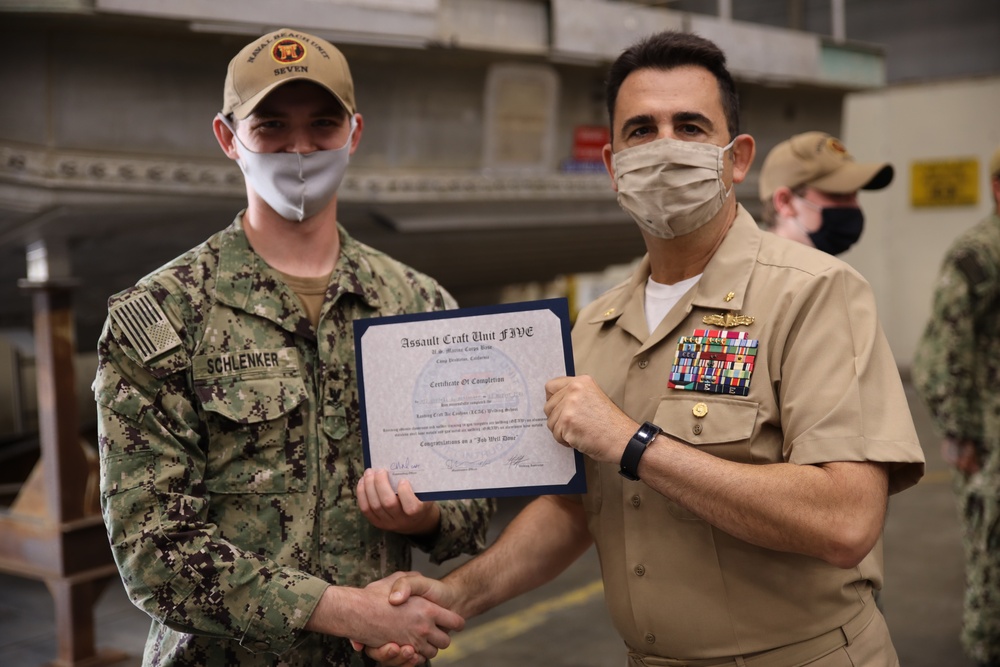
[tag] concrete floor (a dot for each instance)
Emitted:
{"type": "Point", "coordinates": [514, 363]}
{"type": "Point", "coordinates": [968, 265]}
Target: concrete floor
{"type": "Point", "coordinates": [565, 622]}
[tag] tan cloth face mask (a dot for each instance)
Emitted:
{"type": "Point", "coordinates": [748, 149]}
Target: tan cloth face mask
{"type": "Point", "coordinates": [671, 187]}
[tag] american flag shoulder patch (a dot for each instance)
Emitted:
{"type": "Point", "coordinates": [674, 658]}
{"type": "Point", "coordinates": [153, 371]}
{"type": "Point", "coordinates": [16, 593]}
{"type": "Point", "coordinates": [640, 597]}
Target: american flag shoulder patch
{"type": "Point", "coordinates": [145, 325]}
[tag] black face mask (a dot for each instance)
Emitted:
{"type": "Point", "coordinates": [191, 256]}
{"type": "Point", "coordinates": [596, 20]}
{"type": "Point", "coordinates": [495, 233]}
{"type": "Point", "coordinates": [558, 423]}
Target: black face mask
{"type": "Point", "coordinates": [839, 230]}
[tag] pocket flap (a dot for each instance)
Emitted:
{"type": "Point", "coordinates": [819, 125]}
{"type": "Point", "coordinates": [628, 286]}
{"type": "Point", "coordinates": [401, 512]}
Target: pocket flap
{"type": "Point", "coordinates": [706, 420]}
{"type": "Point", "coordinates": [251, 400]}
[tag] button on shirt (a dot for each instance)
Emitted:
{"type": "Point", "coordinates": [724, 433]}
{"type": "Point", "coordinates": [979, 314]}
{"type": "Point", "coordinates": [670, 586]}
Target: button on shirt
{"type": "Point", "coordinates": [824, 388]}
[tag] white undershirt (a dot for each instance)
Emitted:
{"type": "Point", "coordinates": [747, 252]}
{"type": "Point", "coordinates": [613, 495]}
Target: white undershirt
{"type": "Point", "coordinates": [661, 298]}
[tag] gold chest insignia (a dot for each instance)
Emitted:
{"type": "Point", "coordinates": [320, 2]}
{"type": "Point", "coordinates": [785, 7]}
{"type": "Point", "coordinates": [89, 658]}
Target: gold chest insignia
{"type": "Point", "coordinates": [728, 320]}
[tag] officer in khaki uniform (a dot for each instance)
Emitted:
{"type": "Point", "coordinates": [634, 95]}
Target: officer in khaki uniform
{"type": "Point", "coordinates": [232, 482]}
{"type": "Point", "coordinates": [822, 386]}
{"type": "Point", "coordinates": [742, 416]}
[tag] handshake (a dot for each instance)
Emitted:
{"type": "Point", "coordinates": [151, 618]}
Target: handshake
{"type": "Point", "coordinates": [403, 619]}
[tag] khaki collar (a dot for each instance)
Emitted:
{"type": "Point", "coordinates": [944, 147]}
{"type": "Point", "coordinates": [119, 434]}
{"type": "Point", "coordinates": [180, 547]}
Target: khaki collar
{"type": "Point", "coordinates": [721, 289]}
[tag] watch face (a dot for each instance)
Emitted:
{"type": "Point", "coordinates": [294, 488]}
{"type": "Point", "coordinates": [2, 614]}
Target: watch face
{"type": "Point", "coordinates": [635, 448]}
{"type": "Point", "coordinates": [647, 432]}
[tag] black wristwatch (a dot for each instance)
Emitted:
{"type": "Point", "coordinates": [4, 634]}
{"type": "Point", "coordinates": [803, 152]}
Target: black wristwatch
{"type": "Point", "coordinates": [635, 448]}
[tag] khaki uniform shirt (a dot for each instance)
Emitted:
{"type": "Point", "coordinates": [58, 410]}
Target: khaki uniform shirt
{"type": "Point", "coordinates": [823, 387]}
{"type": "Point", "coordinates": [230, 452]}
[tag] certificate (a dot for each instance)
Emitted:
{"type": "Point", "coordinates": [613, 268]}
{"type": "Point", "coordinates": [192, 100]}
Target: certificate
{"type": "Point", "coordinates": [454, 400]}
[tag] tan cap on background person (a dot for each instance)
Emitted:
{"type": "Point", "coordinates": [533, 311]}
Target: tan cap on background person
{"type": "Point", "coordinates": [279, 57]}
{"type": "Point", "coordinates": [995, 164]}
{"type": "Point", "coordinates": [818, 160]}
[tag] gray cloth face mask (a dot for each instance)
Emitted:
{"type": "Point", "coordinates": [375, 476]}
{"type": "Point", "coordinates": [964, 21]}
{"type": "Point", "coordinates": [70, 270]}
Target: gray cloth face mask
{"type": "Point", "coordinates": [671, 187]}
{"type": "Point", "coordinates": [296, 185]}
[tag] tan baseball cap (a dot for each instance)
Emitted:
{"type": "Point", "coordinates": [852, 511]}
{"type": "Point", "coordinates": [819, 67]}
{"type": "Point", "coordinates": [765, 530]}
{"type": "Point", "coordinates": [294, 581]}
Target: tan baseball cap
{"type": "Point", "coordinates": [995, 164]}
{"type": "Point", "coordinates": [818, 160]}
{"type": "Point", "coordinates": [283, 56]}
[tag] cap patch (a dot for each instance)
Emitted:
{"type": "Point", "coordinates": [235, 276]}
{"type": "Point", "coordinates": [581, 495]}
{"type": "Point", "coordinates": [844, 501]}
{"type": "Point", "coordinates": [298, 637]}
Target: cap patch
{"type": "Point", "coordinates": [145, 325]}
{"type": "Point", "coordinates": [835, 146]}
{"type": "Point", "coordinates": [288, 51]}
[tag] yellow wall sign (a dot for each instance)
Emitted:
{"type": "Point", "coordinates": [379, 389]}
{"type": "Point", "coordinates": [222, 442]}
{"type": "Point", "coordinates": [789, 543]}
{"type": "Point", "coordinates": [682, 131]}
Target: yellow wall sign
{"type": "Point", "coordinates": [945, 183]}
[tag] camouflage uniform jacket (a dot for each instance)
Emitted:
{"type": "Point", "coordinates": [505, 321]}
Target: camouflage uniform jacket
{"type": "Point", "coordinates": [230, 452]}
{"type": "Point", "coordinates": [957, 371]}
{"type": "Point", "coordinates": [957, 364]}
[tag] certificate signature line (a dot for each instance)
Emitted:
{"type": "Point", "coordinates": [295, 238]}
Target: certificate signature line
{"type": "Point", "coordinates": [483, 637]}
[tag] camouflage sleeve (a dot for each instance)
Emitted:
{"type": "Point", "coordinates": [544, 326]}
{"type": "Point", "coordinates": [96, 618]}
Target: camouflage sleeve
{"type": "Point", "coordinates": [155, 507]}
{"type": "Point", "coordinates": [444, 300]}
{"type": "Point", "coordinates": [462, 529]}
{"type": "Point", "coordinates": [946, 356]}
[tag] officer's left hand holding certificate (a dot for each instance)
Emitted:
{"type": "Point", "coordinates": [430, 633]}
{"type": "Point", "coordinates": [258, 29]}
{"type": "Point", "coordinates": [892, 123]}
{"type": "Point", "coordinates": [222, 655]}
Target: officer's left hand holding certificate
{"type": "Point", "coordinates": [454, 400]}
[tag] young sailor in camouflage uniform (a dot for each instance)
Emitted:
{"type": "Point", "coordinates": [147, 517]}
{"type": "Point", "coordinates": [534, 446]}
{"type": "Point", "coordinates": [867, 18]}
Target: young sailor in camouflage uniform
{"type": "Point", "coordinates": [232, 483]}
{"type": "Point", "coordinates": [957, 372]}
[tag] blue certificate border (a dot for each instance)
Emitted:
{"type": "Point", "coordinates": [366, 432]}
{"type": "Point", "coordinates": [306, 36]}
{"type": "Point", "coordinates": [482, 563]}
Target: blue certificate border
{"type": "Point", "coordinates": [559, 307]}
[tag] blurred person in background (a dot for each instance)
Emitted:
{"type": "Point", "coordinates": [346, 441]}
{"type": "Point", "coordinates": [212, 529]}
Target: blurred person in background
{"type": "Point", "coordinates": [809, 191]}
{"type": "Point", "coordinates": [956, 371]}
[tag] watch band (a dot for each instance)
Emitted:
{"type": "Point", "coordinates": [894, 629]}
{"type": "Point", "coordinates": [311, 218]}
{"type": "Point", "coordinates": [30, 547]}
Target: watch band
{"type": "Point", "coordinates": [636, 447]}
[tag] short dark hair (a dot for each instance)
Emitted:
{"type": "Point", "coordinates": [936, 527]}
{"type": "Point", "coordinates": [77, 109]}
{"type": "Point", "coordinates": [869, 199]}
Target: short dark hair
{"type": "Point", "coordinates": [667, 50]}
